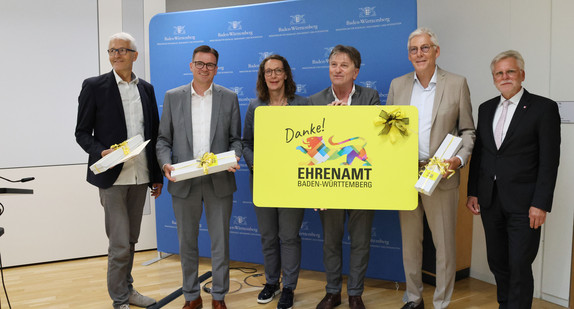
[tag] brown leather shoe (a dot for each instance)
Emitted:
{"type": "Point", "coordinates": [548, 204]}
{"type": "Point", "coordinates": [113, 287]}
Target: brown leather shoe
{"type": "Point", "coordinates": [356, 302]}
{"type": "Point", "coordinates": [196, 304]}
{"type": "Point", "coordinates": [218, 304]}
{"type": "Point", "coordinates": [330, 301]}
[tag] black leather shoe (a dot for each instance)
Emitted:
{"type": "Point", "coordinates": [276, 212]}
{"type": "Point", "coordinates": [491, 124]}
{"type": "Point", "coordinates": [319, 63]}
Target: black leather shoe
{"type": "Point", "coordinates": [412, 305]}
{"type": "Point", "coordinates": [330, 301]}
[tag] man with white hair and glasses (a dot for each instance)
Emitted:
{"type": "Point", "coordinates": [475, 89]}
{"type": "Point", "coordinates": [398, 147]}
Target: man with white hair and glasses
{"type": "Point", "coordinates": [443, 102]}
{"type": "Point", "coordinates": [112, 108]}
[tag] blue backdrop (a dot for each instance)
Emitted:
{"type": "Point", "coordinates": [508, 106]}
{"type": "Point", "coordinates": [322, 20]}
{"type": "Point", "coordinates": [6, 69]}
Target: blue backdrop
{"type": "Point", "coordinates": [304, 32]}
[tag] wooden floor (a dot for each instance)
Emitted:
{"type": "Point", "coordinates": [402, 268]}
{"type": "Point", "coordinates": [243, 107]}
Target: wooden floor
{"type": "Point", "coordinates": [81, 284]}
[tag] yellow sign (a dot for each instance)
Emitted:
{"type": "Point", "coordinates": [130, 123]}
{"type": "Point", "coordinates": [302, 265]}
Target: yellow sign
{"type": "Point", "coordinates": [346, 157]}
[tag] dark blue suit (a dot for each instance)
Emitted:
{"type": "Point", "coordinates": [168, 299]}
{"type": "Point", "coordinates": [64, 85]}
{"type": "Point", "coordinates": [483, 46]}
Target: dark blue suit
{"type": "Point", "coordinates": [508, 181]}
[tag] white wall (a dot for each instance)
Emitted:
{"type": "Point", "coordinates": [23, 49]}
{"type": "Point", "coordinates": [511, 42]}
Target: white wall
{"type": "Point", "coordinates": [63, 219]}
{"type": "Point", "coordinates": [47, 47]}
{"type": "Point", "coordinates": [558, 233]}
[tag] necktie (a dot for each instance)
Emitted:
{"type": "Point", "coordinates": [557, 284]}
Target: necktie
{"type": "Point", "coordinates": [500, 124]}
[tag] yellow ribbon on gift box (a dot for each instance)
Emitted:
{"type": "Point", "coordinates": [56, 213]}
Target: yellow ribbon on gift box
{"type": "Point", "coordinates": [442, 167]}
{"type": "Point", "coordinates": [395, 119]}
{"type": "Point", "coordinates": [208, 159]}
{"type": "Point", "coordinates": [123, 145]}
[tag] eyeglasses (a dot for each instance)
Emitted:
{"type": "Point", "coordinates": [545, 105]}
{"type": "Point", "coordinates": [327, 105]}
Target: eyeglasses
{"type": "Point", "coordinates": [413, 50]}
{"type": "Point", "coordinates": [277, 71]}
{"type": "Point", "coordinates": [200, 64]}
{"type": "Point", "coordinates": [510, 73]}
{"type": "Point", "coordinates": [122, 51]}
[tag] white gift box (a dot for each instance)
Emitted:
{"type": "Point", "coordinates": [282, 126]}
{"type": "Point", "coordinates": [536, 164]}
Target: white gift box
{"type": "Point", "coordinates": [431, 176]}
{"type": "Point", "coordinates": [124, 152]}
{"type": "Point", "coordinates": [191, 169]}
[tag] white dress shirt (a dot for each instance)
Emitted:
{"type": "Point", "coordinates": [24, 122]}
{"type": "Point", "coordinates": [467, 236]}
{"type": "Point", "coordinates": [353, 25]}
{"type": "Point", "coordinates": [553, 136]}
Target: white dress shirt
{"type": "Point", "coordinates": [134, 171]}
{"type": "Point", "coordinates": [423, 99]}
{"type": "Point", "coordinates": [350, 95]}
{"type": "Point", "coordinates": [201, 120]}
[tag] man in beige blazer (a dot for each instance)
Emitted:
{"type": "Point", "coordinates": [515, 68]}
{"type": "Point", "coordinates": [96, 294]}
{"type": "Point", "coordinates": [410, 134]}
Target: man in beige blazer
{"type": "Point", "coordinates": [443, 102]}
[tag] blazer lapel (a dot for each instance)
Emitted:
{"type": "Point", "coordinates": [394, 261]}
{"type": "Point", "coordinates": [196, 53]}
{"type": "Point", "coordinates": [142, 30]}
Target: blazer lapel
{"type": "Point", "coordinates": [186, 112]}
{"type": "Point", "coordinates": [518, 114]}
{"type": "Point", "coordinates": [440, 81]}
{"type": "Point", "coordinates": [215, 107]}
{"type": "Point", "coordinates": [145, 108]}
{"type": "Point", "coordinates": [115, 97]}
{"type": "Point", "coordinates": [489, 113]}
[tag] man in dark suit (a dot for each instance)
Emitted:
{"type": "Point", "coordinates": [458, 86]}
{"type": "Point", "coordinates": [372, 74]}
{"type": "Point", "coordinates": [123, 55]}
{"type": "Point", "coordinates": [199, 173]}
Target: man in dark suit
{"type": "Point", "coordinates": [443, 102]}
{"type": "Point", "coordinates": [112, 108]}
{"type": "Point", "coordinates": [344, 65]}
{"type": "Point", "coordinates": [197, 118]}
{"type": "Point", "coordinates": [512, 177]}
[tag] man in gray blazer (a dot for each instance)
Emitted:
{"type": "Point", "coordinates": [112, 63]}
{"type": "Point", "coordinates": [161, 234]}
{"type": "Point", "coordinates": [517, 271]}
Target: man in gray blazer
{"type": "Point", "coordinates": [344, 65]}
{"type": "Point", "coordinates": [443, 102]}
{"type": "Point", "coordinates": [197, 118]}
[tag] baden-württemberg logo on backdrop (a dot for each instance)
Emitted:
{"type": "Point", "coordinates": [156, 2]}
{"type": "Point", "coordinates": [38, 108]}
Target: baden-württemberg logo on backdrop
{"type": "Point", "coordinates": [234, 25]}
{"type": "Point", "coordinates": [367, 15]}
{"type": "Point", "coordinates": [237, 90]}
{"type": "Point", "coordinates": [328, 51]}
{"type": "Point", "coordinates": [368, 11]}
{"type": "Point", "coordinates": [178, 30]}
{"type": "Point", "coordinates": [239, 220]}
{"type": "Point", "coordinates": [243, 100]}
{"type": "Point", "coordinates": [370, 84]}
{"type": "Point", "coordinates": [301, 88]}
{"type": "Point", "coordinates": [297, 19]}
{"type": "Point", "coordinates": [307, 233]}
{"type": "Point", "coordinates": [234, 30]}
{"type": "Point", "coordinates": [240, 225]}
{"type": "Point", "coordinates": [179, 33]}
{"type": "Point", "coordinates": [297, 25]}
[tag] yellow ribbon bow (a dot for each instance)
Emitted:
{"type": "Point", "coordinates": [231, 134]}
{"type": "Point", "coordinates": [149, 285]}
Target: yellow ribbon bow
{"type": "Point", "coordinates": [441, 165]}
{"type": "Point", "coordinates": [395, 119]}
{"type": "Point", "coordinates": [123, 145]}
{"type": "Point", "coordinates": [208, 159]}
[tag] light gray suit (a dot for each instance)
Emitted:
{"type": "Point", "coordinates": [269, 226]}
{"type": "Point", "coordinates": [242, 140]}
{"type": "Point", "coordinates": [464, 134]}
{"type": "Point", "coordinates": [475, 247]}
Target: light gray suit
{"type": "Point", "coordinates": [175, 144]}
{"type": "Point", "coordinates": [333, 220]}
{"type": "Point", "coordinates": [451, 113]}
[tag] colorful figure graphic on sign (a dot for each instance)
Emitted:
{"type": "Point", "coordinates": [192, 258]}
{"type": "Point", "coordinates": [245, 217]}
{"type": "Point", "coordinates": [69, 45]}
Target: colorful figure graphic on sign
{"type": "Point", "coordinates": [320, 152]}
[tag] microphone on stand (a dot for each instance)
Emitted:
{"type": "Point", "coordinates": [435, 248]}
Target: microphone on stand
{"type": "Point", "coordinates": [26, 179]}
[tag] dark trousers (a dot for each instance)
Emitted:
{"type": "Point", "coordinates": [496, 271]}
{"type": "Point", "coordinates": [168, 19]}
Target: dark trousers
{"type": "Point", "coordinates": [511, 247]}
{"type": "Point", "coordinates": [359, 226]}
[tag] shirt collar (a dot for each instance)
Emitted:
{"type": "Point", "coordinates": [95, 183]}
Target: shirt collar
{"type": "Point", "coordinates": [433, 78]}
{"type": "Point", "coordinates": [350, 94]}
{"type": "Point", "coordinates": [515, 99]}
{"type": "Point", "coordinates": [135, 79]}
{"type": "Point", "coordinates": [207, 92]}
